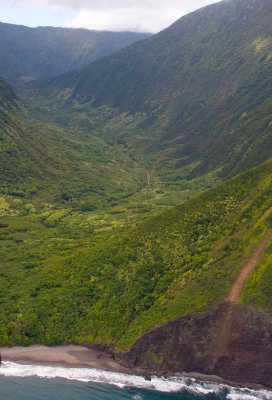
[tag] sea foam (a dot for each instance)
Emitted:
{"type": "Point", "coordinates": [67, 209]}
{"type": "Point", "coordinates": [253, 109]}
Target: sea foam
{"type": "Point", "coordinates": [173, 384]}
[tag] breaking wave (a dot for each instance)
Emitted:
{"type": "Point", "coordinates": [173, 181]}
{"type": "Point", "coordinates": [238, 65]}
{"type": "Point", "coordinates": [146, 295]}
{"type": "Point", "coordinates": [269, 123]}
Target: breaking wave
{"type": "Point", "coordinates": [173, 384]}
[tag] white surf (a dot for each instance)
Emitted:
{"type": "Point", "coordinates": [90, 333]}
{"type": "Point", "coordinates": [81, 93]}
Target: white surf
{"type": "Point", "coordinates": [173, 384]}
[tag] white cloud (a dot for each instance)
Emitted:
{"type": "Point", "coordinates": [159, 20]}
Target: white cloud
{"type": "Point", "coordinates": [138, 19]}
{"type": "Point", "coordinates": [119, 15]}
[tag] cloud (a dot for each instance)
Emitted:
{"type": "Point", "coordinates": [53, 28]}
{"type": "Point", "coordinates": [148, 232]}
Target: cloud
{"type": "Point", "coordinates": [120, 15]}
{"type": "Point", "coordinates": [137, 18]}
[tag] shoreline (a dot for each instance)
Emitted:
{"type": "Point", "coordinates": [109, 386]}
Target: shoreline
{"type": "Point", "coordinates": [69, 356]}
{"type": "Point", "coordinates": [76, 356]}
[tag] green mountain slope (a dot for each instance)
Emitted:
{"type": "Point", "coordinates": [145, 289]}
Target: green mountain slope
{"type": "Point", "coordinates": [92, 249]}
{"type": "Point", "coordinates": [75, 285]}
{"type": "Point", "coordinates": [32, 53]}
{"type": "Point", "coordinates": [8, 98]}
{"type": "Point", "coordinates": [17, 148]}
{"type": "Point", "coordinates": [203, 87]}
{"type": "Point", "coordinates": [53, 163]}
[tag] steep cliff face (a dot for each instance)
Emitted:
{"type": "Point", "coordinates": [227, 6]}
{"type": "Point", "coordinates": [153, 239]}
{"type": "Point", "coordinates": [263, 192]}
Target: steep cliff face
{"type": "Point", "coordinates": [224, 340]}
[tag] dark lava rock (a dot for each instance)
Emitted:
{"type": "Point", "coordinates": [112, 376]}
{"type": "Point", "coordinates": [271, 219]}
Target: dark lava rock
{"type": "Point", "coordinates": [224, 340]}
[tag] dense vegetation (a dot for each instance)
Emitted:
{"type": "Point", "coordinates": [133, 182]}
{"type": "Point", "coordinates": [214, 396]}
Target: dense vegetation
{"type": "Point", "coordinates": [203, 87]}
{"type": "Point", "coordinates": [64, 279]}
{"type": "Point", "coordinates": [48, 162]}
{"type": "Point", "coordinates": [32, 53]}
{"type": "Point", "coordinates": [100, 238]}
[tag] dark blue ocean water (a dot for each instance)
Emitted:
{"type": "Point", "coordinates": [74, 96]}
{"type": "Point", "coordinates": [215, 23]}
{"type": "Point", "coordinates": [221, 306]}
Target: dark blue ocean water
{"type": "Point", "coordinates": [42, 389]}
{"type": "Point", "coordinates": [33, 382]}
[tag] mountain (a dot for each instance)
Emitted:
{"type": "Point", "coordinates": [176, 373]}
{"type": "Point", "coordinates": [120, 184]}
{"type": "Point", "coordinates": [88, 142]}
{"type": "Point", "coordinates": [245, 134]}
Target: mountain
{"type": "Point", "coordinates": [49, 161]}
{"type": "Point", "coordinates": [203, 86]}
{"type": "Point", "coordinates": [136, 200]}
{"type": "Point", "coordinates": [74, 286]}
{"type": "Point", "coordinates": [32, 53]}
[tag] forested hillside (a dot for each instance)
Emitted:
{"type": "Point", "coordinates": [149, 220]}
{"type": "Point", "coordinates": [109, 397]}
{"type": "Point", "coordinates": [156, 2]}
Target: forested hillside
{"type": "Point", "coordinates": [32, 53]}
{"type": "Point", "coordinates": [51, 162]}
{"type": "Point", "coordinates": [203, 87]}
{"type": "Point", "coordinates": [134, 190]}
{"type": "Point", "coordinates": [69, 281]}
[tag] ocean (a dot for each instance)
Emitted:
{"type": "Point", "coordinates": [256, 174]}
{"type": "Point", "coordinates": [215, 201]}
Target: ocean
{"type": "Point", "coordinates": [32, 382]}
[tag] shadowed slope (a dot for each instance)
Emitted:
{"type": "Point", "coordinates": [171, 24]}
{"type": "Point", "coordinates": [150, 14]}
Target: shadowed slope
{"type": "Point", "coordinates": [32, 53]}
{"type": "Point", "coordinates": [204, 86]}
{"type": "Point", "coordinates": [48, 160]}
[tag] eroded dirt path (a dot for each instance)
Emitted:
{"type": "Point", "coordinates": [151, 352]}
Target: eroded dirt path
{"type": "Point", "coordinates": [254, 259]}
{"type": "Point", "coordinates": [223, 337]}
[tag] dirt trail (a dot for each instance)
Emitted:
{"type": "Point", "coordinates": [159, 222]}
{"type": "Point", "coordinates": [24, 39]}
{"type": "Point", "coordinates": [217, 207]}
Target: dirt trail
{"type": "Point", "coordinates": [225, 328]}
{"type": "Point", "coordinates": [248, 268]}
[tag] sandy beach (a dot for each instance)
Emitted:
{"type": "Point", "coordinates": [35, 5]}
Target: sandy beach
{"type": "Point", "coordinates": [75, 356]}
{"type": "Point", "coordinates": [69, 356]}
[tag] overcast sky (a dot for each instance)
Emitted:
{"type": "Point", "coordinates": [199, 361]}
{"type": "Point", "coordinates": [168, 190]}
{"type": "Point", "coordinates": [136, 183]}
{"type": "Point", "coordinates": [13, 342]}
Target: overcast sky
{"type": "Point", "coordinates": [114, 15]}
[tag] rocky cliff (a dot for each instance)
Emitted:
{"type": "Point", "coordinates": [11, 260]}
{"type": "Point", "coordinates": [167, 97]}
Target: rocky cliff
{"type": "Point", "coordinates": [225, 340]}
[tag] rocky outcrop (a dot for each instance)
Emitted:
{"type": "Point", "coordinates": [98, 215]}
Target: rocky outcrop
{"type": "Point", "coordinates": [225, 340]}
